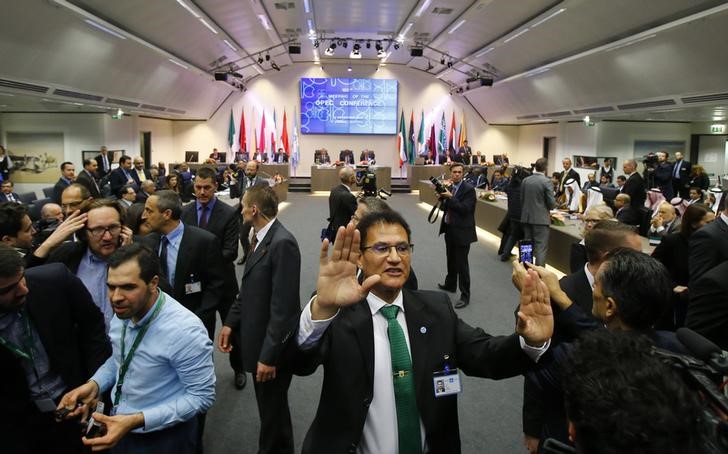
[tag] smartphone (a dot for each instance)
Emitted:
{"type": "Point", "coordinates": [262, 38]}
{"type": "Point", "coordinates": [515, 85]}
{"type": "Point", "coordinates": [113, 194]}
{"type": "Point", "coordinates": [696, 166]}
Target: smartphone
{"type": "Point", "coordinates": [94, 428]}
{"type": "Point", "coordinates": [525, 251]}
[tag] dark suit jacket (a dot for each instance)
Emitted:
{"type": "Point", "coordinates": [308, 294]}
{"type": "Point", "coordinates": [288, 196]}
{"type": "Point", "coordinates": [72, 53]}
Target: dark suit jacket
{"type": "Point", "coordinates": [266, 311]}
{"type": "Point", "coordinates": [135, 176]}
{"type": "Point", "coordinates": [570, 174]}
{"type": "Point", "coordinates": [346, 156]}
{"type": "Point", "coordinates": [58, 190]}
{"type": "Point", "coordinates": [702, 181]}
{"type": "Point", "coordinates": [461, 211]}
{"type": "Point", "coordinates": [577, 288]}
{"type": "Point", "coordinates": [367, 156]}
{"type": "Point", "coordinates": [280, 158]}
{"type": "Point", "coordinates": [577, 257]}
{"type": "Point", "coordinates": [262, 157]}
{"type": "Point", "coordinates": [100, 167]}
{"type": "Point", "coordinates": [663, 179]}
{"type": "Point", "coordinates": [4, 198]}
{"type": "Point", "coordinates": [347, 354]}
{"type": "Point", "coordinates": [199, 259]}
{"type": "Point", "coordinates": [141, 197]}
{"type": "Point", "coordinates": [118, 180]}
{"type": "Point", "coordinates": [634, 187]}
{"type": "Point", "coordinates": [71, 329]}
{"type": "Point", "coordinates": [628, 215]}
{"type": "Point", "coordinates": [708, 309]}
{"type": "Point", "coordinates": [672, 252]}
{"type": "Point", "coordinates": [708, 248]}
{"type": "Point", "coordinates": [87, 181]}
{"type": "Point", "coordinates": [223, 222]}
{"type": "Point", "coordinates": [342, 205]}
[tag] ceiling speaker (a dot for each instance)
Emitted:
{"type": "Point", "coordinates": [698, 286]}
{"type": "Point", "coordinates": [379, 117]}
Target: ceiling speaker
{"type": "Point", "coordinates": [416, 52]}
{"type": "Point", "coordinates": [294, 49]}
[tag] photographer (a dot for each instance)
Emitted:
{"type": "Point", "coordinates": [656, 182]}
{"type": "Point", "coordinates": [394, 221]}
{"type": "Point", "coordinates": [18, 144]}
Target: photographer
{"type": "Point", "coordinates": [458, 225]}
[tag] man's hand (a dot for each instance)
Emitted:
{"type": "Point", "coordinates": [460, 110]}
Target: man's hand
{"type": "Point", "coordinates": [535, 318]}
{"type": "Point", "coordinates": [657, 221]}
{"type": "Point", "coordinates": [85, 395]}
{"type": "Point", "coordinates": [126, 236]}
{"type": "Point", "coordinates": [223, 340]}
{"type": "Point", "coordinates": [264, 373]}
{"type": "Point", "coordinates": [73, 223]}
{"type": "Point", "coordinates": [116, 427]}
{"type": "Point", "coordinates": [445, 195]}
{"type": "Point", "coordinates": [337, 285]}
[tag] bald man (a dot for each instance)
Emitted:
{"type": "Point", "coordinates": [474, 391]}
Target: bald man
{"type": "Point", "coordinates": [342, 203]}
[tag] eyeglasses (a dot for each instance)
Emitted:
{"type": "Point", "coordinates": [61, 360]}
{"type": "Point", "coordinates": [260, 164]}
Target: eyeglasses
{"type": "Point", "coordinates": [72, 205]}
{"type": "Point", "coordinates": [98, 232]}
{"type": "Point", "coordinates": [403, 249]}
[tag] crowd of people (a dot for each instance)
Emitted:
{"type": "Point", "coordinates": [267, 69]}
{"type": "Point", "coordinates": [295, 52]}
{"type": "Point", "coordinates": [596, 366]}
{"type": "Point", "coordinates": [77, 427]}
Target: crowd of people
{"type": "Point", "coordinates": [113, 294]}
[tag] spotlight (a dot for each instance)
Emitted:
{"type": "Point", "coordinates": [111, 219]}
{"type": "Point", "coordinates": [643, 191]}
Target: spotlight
{"type": "Point", "coordinates": [316, 44]}
{"type": "Point", "coordinates": [381, 53]}
{"type": "Point", "coordinates": [267, 57]}
{"type": "Point", "coordinates": [449, 64]}
{"type": "Point", "coordinates": [260, 59]}
{"type": "Point", "coordinates": [349, 68]}
{"type": "Point", "coordinates": [442, 60]}
{"type": "Point", "coordinates": [355, 51]}
{"type": "Point", "coordinates": [396, 45]}
{"type": "Point", "coordinates": [274, 66]}
{"type": "Point", "coordinates": [345, 44]}
{"type": "Point", "coordinates": [357, 47]}
{"type": "Point", "coordinates": [369, 44]}
{"type": "Point", "coordinates": [329, 51]}
{"type": "Point", "coordinates": [333, 45]}
{"type": "Point", "coordinates": [378, 46]}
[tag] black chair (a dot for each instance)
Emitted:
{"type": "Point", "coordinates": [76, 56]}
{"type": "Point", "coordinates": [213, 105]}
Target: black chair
{"type": "Point", "coordinates": [35, 208]}
{"type": "Point", "coordinates": [48, 192]}
{"type": "Point", "coordinates": [28, 197]}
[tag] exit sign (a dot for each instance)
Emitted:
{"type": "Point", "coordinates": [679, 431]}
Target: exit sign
{"type": "Point", "coordinates": [717, 129]}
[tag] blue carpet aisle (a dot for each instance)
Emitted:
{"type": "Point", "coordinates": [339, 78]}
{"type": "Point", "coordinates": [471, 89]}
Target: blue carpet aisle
{"type": "Point", "coordinates": [489, 411]}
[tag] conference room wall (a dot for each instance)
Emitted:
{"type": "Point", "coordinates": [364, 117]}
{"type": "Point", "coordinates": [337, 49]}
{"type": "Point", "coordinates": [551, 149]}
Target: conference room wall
{"type": "Point", "coordinates": [418, 91]}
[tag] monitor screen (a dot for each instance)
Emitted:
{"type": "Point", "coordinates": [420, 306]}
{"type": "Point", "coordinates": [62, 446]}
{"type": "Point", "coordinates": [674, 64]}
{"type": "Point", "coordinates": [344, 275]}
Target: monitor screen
{"type": "Point", "coordinates": [348, 106]}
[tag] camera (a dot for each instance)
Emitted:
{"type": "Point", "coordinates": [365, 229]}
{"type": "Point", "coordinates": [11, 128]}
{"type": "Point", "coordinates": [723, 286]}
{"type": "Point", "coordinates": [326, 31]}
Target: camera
{"type": "Point", "coordinates": [439, 187]}
{"type": "Point", "coordinates": [367, 179]}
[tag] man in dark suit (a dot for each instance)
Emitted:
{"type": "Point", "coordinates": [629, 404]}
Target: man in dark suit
{"type": "Point", "coordinates": [121, 176]}
{"type": "Point", "coordinates": [708, 246]}
{"type": "Point", "coordinates": [665, 221]}
{"type": "Point", "coordinates": [260, 156]}
{"type": "Point", "coordinates": [280, 157]}
{"type": "Point", "coordinates": [222, 220]}
{"type": "Point", "coordinates": [7, 194]}
{"type": "Point", "coordinates": [458, 225]}
{"type": "Point", "coordinates": [104, 162]}
{"type": "Point", "coordinates": [567, 174]}
{"type": "Point", "coordinates": [247, 180]}
{"type": "Point", "coordinates": [190, 257]}
{"type": "Point", "coordinates": [372, 375]}
{"type": "Point", "coordinates": [342, 203]}
{"type": "Point", "coordinates": [87, 178]}
{"type": "Point", "coordinates": [148, 187]}
{"type": "Point", "coordinates": [346, 156]}
{"type": "Point", "coordinates": [635, 184]}
{"type": "Point", "coordinates": [265, 315]}
{"type": "Point", "coordinates": [537, 199]}
{"type": "Point", "coordinates": [625, 213]}
{"type": "Point", "coordinates": [6, 164]}
{"type": "Point", "coordinates": [68, 174]}
{"type": "Point", "coordinates": [681, 176]}
{"type": "Point", "coordinates": [139, 173]}
{"type": "Point", "coordinates": [465, 153]}
{"type": "Point", "coordinates": [708, 309]}
{"type": "Point", "coordinates": [68, 345]}
{"type": "Point", "coordinates": [663, 175]}
{"type": "Point", "coordinates": [367, 155]}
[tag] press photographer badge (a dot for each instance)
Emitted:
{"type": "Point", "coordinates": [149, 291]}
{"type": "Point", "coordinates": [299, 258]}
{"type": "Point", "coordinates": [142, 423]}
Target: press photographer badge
{"type": "Point", "coordinates": [446, 382]}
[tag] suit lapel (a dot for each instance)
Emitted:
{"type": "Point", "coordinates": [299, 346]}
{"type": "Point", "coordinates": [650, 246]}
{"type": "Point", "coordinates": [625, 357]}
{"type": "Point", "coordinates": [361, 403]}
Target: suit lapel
{"type": "Point", "coordinates": [419, 327]}
{"type": "Point", "coordinates": [360, 322]}
{"type": "Point", "coordinates": [261, 250]}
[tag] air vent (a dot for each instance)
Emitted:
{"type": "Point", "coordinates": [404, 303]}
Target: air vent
{"type": "Point", "coordinates": [22, 86]}
{"type": "Point", "coordinates": [293, 31]}
{"type": "Point", "coordinates": [151, 107]}
{"type": "Point", "coordinates": [528, 117]}
{"type": "Point", "coordinates": [646, 105]}
{"type": "Point", "coordinates": [121, 102]}
{"type": "Point", "coordinates": [77, 95]}
{"type": "Point", "coordinates": [594, 110]}
{"type": "Point", "coordinates": [556, 114]}
{"type": "Point", "coordinates": [705, 98]}
{"type": "Point", "coordinates": [176, 111]}
{"type": "Point", "coordinates": [439, 10]}
{"type": "Point", "coordinates": [284, 5]}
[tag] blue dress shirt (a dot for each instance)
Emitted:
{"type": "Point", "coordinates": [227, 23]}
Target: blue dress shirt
{"type": "Point", "coordinates": [92, 270]}
{"type": "Point", "coordinates": [171, 377]}
{"type": "Point", "coordinates": [210, 206]}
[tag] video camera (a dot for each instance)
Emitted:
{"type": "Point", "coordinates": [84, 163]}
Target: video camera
{"type": "Point", "coordinates": [367, 180]}
{"type": "Point", "coordinates": [439, 187]}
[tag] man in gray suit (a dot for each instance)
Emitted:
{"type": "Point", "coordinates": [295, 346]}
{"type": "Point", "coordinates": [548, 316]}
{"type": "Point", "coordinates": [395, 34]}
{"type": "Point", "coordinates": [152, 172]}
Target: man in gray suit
{"type": "Point", "coordinates": [537, 198]}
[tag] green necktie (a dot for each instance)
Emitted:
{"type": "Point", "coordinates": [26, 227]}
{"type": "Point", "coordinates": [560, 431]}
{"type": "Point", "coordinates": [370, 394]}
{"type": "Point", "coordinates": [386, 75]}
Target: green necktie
{"type": "Point", "coordinates": [408, 418]}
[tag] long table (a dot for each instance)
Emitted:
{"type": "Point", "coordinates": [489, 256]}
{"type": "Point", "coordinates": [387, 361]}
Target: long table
{"type": "Point", "coordinates": [325, 178]}
{"type": "Point", "coordinates": [488, 216]}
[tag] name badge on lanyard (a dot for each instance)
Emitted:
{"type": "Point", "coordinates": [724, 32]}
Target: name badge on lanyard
{"type": "Point", "coordinates": [446, 382]}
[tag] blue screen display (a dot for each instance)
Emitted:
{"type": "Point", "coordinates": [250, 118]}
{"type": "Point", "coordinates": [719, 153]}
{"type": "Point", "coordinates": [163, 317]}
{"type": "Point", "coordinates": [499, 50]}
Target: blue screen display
{"type": "Point", "coordinates": [348, 106]}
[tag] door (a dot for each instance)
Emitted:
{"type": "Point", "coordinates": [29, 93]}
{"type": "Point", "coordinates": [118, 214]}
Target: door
{"type": "Point", "coordinates": [145, 147]}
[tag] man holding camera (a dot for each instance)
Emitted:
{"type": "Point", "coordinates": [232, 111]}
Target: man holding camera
{"type": "Point", "coordinates": [458, 225]}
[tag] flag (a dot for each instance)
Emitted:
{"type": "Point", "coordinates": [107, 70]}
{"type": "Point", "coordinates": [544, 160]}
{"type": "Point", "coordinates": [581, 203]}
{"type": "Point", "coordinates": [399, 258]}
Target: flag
{"type": "Point", "coordinates": [442, 145]}
{"type": "Point", "coordinates": [421, 134]}
{"type": "Point", "coordinates": [411, 148]}
{"type": "Point", "coordinates": [402, 140]}
{"type": "Point", "coordinates": [450, 143]}
{"type": "Point", "coordinates": [241, 134]}
{"type": "Point", "coordinates": [284, 134]}
{"type": "Point", "coordinates": [261, 142]}
{"type": "Point", "coordinates": [463, 135]}
{"type": "Point", "coordinates": [294, 144]}
{"type": "Point", "coordinates": [273, 135]}
{"type": "Point", "coordinates": [231, 130]}
{"type": "Point", "coordinates": [433, 147]}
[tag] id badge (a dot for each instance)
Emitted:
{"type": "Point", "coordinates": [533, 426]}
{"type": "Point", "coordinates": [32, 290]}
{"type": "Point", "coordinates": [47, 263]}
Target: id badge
{"type": "Point", "coordinates": [446, 382]}
{"type": "Point", "coordinates": [45, 405]}
{"type": "Point", "coordinates": [193, 287]}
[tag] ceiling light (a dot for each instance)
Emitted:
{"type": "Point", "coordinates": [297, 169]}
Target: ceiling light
{"type": "Point", "coordinates": [178, 64]}
{"type": "Point", "coordinates": [264, 21]}
{"type": "Point", "coordinates": [274, 66]}
{"type": "Point", "coordinates": [267, 57]}
{"type": "Point", "coordinates": [396, 45]}
{"type": "Point", "coordinates": [306, 6]}
{"type": "Point", "coordinates": [230, 45]}
{"type": "Point", "coordinates": [442, 60]}
{"type": "Point", "coordinates": [190, 10]}
{"type": "Point", "coordinates": [381, 53]}
{"type": "Point", "coordinates": [458, 25]}
{"type": "Point", "coordinates": [104, 29]}
{"type": "Point", "coordinates": [260, 59]}
{"type": "Point", "coordinates": [378, 46]}
{"type": "Point", "coordinates": [316, 43]}
{"type": "Point", "coordinates": [345, 44]}
{"type": "Point", "coordinates": [330, 50]}
{"type": "Point", "coordinates": [355, 53]}
{"type": "Point", "coordinates": [449, 63]}
{"type": "Point", "coordinates": [349, 68]}
{"type": "Point", "coordinates": [357, 47]}
{"type": "Point", "coordinates": [516, 35]}
{"type": "Point", "coordinates": [369, 44]}
{"type": "Point", "coordinates": [486, 51]}
{"type": "Point", "coordinates": [311, 30]}
{"type": "Point", "coordinates": [423, 7]}
{"type": "Point", "coordinates": [550, 16]}
{"type": "Point", "coordinates": [718, 118]}
{"type": "Point", "coordinates": [204, 22]}
{"type": "Point", "coordinates": [406, 29]}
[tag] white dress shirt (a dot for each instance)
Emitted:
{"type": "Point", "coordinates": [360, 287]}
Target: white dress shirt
{"type": "Point", "coordinates": [260, 234]}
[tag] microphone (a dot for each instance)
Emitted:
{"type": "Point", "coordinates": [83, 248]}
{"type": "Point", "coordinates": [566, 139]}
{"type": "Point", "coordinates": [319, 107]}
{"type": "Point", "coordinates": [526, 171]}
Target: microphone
{"type": "Point", "coordinates": [702, 348]}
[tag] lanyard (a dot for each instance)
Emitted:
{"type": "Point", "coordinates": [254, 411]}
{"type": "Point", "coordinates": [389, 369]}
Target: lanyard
{"type": "Point", "coordinates": [126, 359]}
{"type": "Point", "coordinates": [16, 349]}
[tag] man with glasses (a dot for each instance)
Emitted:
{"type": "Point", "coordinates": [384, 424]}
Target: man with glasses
{"type": "Point", "coordinates": [384, 347]}
{"type": "Point", "coordinates": [265, 315]}
{"type": "Point", "coordinates": [103, 234]}
{"type": "Point", "coordinates": [73, 197]}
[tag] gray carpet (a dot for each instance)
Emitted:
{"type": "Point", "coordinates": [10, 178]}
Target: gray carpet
{"type": "Point", "coordinates": [489, 410]}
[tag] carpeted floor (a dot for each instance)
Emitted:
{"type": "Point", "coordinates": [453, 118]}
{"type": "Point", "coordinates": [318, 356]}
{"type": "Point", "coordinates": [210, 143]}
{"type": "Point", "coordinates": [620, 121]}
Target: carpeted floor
{"type": "Point", "coordinates": [489, 411]}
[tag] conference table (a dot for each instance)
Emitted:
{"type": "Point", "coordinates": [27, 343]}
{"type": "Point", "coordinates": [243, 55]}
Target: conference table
{"type": "Point", "coordinates": [489, 215]}
{"type": "Point", "coordinates": [323, 178]}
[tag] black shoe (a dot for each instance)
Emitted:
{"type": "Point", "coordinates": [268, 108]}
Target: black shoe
{"type": "Point", "coordinates": [240, 380]}
{"type": "Point", "coordinates": [444, 287]}
{"type": "Point", "coordinates": [461, 304]}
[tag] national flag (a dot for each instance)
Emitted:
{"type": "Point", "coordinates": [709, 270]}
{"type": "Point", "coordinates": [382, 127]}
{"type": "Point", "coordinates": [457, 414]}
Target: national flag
{"type": "Point", "coordinates": [402, 140]}
{"type": "Point", "coordinates": [273, 135]}
{"type": "Point", "coordinates": [261, 142]}
{"type": "Point", "coordinates": [421, 134]}
{"type": "Point", "coordinates": [463, 134]}
{"type": "Point", "coordinates": [242, 138]}
{"type": "Point", "coordinates": [442, 145]}
{"type": "Point", "coordinates": [411, 149]}
{"type": "Point", "coordinates": [284, 135]}
{"type": "Point", "coordinates": [433, 147]}
{"type": "Point", "coordinates": [231, 130]}
{"type": "Point", "coordinates": [294, 144]}
{"type": "Point", "coordinates": [450, 143]}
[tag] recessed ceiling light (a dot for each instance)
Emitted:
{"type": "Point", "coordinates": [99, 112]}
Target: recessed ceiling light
{"type": "Point", "coordinates": [458, 25]}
